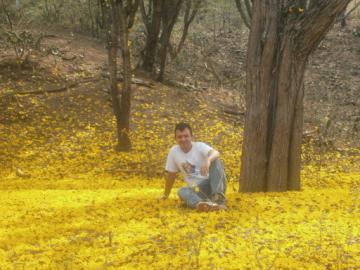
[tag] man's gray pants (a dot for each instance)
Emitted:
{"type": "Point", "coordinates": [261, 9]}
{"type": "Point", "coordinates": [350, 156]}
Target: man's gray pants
{"type": "Point", "coordinates": [207, 188]}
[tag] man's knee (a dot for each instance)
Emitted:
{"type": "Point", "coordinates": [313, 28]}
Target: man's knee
{"type": "Point", "coordinates": [216, 164]}
{"type": "Point", "coordinates": [182, 192]}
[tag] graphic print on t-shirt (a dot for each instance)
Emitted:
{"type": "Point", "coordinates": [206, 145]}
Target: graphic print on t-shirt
{"type": "Point", "coordinates": [188, 168]}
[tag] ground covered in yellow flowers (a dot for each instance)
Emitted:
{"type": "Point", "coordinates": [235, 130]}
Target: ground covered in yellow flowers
{"type": "Point", "coordinates": [69, 201]}
{"type": "Point", "coordinates": [109, 223]}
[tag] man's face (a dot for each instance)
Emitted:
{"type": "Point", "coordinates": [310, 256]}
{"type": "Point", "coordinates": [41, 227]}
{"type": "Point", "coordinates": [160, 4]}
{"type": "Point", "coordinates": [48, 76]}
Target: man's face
{"type": "Point", "coordinates": [183, 139]}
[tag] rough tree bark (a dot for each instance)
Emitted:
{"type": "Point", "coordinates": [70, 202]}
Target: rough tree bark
{"type": "Point", "coordinates": [282, 37]}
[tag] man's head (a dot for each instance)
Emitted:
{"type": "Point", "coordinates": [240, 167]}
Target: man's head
{"type": "Point", "coordinates": [183, 136]}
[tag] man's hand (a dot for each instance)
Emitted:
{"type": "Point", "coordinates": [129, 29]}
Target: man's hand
{"type": "Point", "coordinates": [204, 170]}
{"type": "Point", "coordinates": [212, 155]}
{"type": "Point", "coordinates": [168, 185]}
{"type": "Point", "coordinates": [163, 197]}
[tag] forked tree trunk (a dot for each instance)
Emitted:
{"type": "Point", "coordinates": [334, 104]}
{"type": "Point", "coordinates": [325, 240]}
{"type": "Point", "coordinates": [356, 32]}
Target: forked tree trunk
{"type": "Point", "coordinates": [281, 40]}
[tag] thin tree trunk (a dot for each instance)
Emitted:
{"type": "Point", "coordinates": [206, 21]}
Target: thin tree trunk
{"type": "Point", "coordinates": [7, 13]}
{"type": "Point", "coordinates": [91, 17]}
{"type": "Point", "coordinates": [279, 46]}
{"type": "Point", "coordinates": [243, 12]}
{"type": "Point", "coordinates": [248, 6]}
{"type": "Point", "coordinates": [170, 12]}
{"type": "Point", "coordinates": [112, 58]}
{"type": "Point", "coordinates": [188, 18]}
{"type": "Point", "coordinates": [120, 100]}
{"type": "Point", "coordinates": [124, 123]}
{"type": "Point", "coordinates": [163, 55]}
{"type": "Point", "coordinates": [152, 37]}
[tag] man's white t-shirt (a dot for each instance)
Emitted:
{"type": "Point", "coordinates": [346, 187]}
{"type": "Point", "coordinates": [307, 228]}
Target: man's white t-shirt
{"type": "Point", "coordinates": [189, 163]}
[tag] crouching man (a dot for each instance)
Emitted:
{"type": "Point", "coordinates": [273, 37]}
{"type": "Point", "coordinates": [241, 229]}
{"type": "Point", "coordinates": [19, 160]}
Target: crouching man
{"type": "Point", "coordinates": [202, 171]}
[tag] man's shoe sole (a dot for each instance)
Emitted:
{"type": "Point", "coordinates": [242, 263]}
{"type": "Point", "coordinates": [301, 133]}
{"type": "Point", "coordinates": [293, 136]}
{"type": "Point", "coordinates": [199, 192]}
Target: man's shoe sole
{"type": "Point", "coordinates": [222, 207]}
{"type": "Point", "coordinates": [207, 206]}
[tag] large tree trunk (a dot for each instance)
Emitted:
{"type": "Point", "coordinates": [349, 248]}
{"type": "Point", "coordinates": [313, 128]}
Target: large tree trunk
{"type": "Point", "coordinates": [281, 39]}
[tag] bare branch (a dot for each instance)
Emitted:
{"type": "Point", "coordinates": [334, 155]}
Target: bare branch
{"type": "Point", "coordinates": [188, 18]}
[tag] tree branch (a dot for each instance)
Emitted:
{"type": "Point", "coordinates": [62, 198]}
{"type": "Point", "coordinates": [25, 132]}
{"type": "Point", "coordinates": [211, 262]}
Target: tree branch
{"type": "Point", "coordinates": [52, 89]}
{"type": "Point", "coordinates": [313, 26]}
{"type": "Point", "coordinates": [248, 6]}
{"type": "Point", "coordinates": [188, 18]}
{"type": "Point", "coordinates": [242, 12]}
{"type": "Point", "coordinates": [351, 10]}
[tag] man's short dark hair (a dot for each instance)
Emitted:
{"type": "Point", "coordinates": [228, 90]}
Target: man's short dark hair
{"type": "Point", "coordinates": [183, 126]}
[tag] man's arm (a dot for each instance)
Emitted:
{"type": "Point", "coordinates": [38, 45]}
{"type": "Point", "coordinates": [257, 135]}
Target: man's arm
{"type": "Point", "coordinates": [170, 179]}
{"type": "Point", "coordinates": [212, 155]}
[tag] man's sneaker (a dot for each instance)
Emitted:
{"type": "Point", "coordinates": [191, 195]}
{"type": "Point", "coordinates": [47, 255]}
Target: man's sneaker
{"type": "Point", "coordinates": [219, 199]}
{"type": "Point", "coordinates": [207, 206]}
